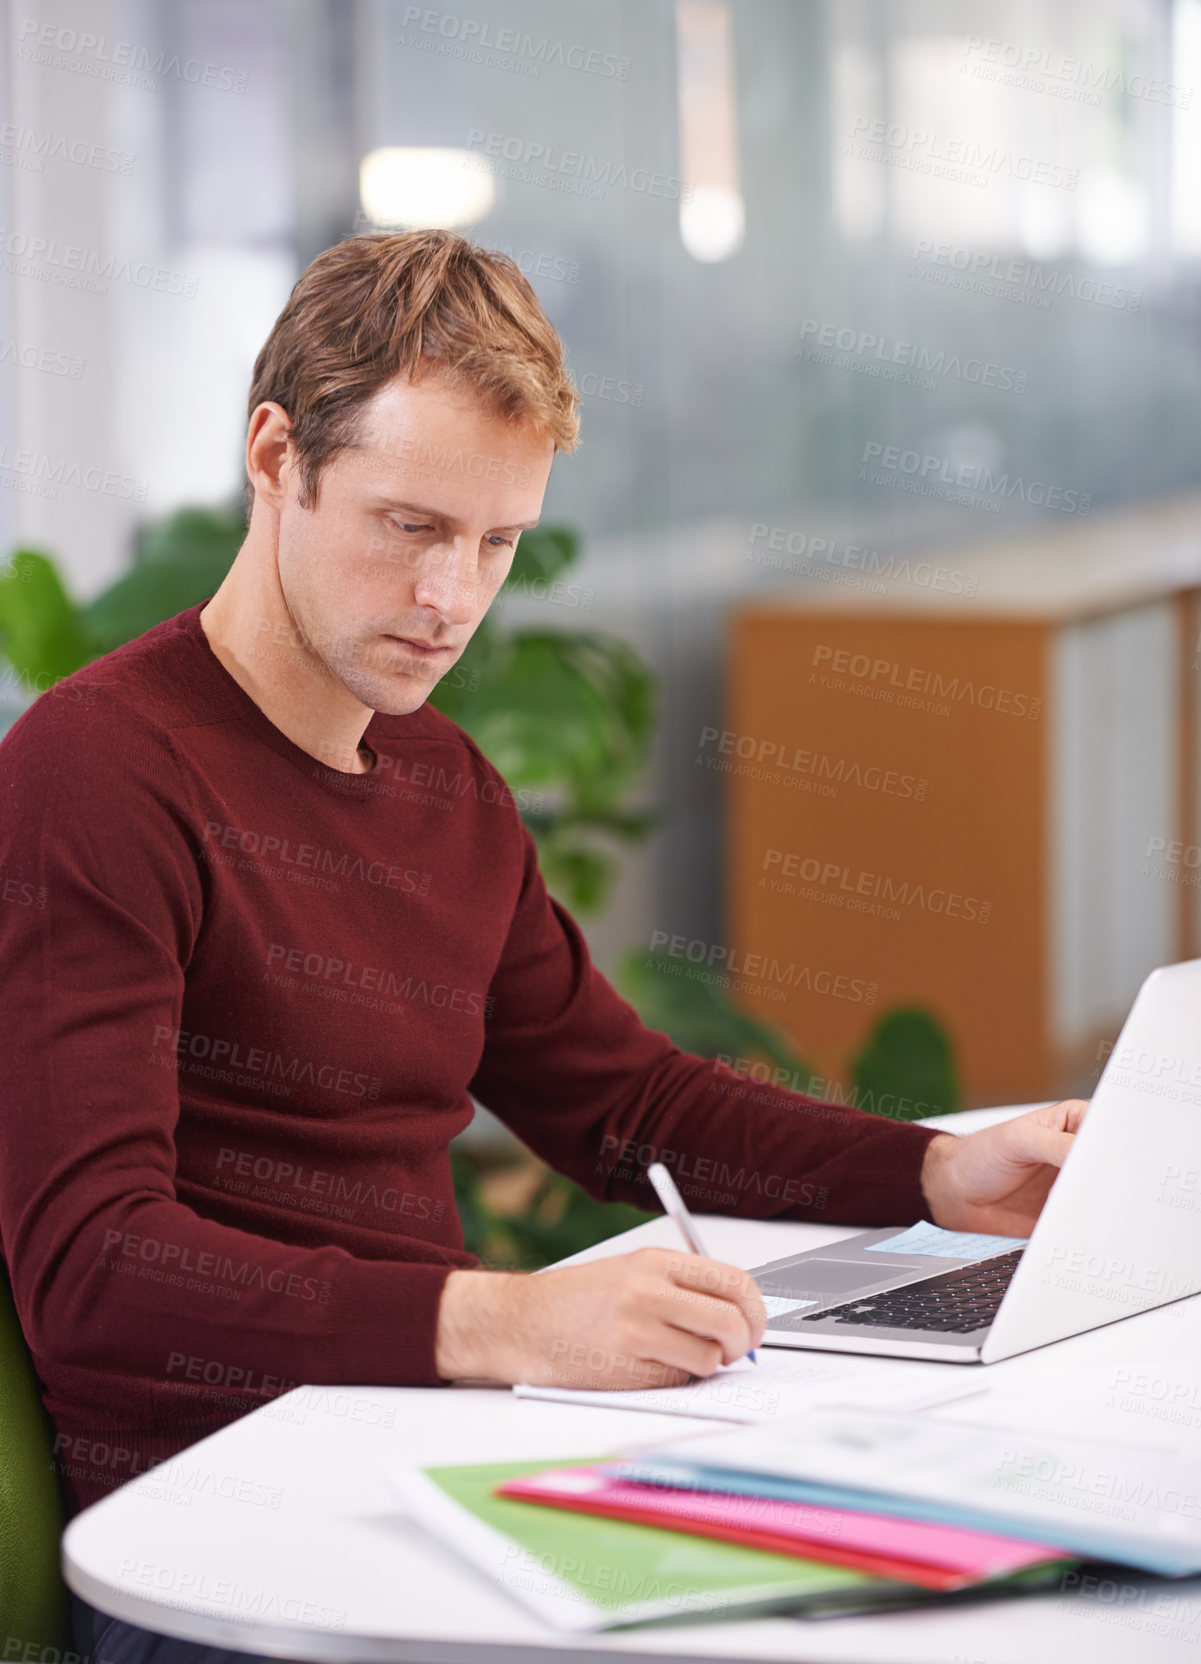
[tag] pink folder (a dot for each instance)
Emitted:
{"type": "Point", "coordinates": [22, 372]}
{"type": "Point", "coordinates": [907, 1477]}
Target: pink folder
{"type": "Point", "coordinates": [932, 1556]}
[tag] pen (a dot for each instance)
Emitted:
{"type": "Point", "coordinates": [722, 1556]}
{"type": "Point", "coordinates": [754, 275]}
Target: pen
{"type": "Point", "coordinates": [673, 1206]}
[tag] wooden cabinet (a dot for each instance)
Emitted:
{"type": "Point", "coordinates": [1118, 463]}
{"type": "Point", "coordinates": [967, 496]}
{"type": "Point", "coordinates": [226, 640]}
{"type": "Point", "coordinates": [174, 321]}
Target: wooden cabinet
{"type": "Point", "coordinates": [977, 796]}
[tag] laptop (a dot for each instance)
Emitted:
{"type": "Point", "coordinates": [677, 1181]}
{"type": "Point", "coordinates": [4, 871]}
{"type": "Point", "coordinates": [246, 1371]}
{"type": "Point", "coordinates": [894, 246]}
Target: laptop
{"type": "Point", "coordinates": [1120, 1231]}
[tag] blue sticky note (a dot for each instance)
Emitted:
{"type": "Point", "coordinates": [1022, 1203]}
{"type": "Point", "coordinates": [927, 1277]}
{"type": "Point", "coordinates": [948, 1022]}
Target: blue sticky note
{"type": "Point", "coordinates": [947, 1245]}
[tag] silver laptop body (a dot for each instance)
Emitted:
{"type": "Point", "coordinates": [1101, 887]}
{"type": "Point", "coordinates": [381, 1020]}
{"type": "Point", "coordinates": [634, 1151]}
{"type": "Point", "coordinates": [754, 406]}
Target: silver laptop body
{"type": "Point", "coordinates": [1120, 1231]}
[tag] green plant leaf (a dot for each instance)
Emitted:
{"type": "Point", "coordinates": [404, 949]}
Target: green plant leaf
{"type": "Point", "coordinates": [576, 1221]}
{"type": "Point", "coordinates": [561, 1218]}
{"type": "Point", "coordinates": [42, 635]}
{"type": "Point", "coordinates": [695, 1012]}
{"type": "Point", "coordinates": [457, 695]}
{"type": "Point", "coordinates": [906, 1069]}
{"type": "Point", "coordinates": [579, 876]}
{"type": "Point", "coordinates": [570, 708]}
{"type": "Point", "coordinates": [567, 716]}
{"type": "Point", "coordinates": [541, 555]}
{"type": "Point", "coordinates": [180, 561]}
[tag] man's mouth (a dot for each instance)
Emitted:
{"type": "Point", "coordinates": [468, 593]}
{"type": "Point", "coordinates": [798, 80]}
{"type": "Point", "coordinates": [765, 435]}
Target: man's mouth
{"type": "Point", "coordinates": [420, 649]}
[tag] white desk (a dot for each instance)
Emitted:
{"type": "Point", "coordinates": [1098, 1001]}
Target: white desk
{"type": "Point", "coordinates": [329, 1569]}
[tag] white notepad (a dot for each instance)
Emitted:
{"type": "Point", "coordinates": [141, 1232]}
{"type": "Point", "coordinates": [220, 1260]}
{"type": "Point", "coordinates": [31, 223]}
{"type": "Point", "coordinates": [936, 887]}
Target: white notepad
{"type": "Point", "coordinates": [784, 1383]}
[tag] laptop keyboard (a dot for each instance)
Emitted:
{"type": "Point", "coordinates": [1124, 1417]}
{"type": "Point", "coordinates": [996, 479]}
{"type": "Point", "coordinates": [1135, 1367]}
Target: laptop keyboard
{"type": "Point", "coordinates": [954, 1303]}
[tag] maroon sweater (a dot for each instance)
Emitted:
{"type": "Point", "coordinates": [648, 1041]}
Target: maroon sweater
{"type": "Point", "coordinates": [245, 998]}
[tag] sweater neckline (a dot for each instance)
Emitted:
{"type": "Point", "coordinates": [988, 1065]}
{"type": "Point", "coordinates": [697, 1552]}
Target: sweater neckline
{"type": "Point", "coordinates": [253, 716]}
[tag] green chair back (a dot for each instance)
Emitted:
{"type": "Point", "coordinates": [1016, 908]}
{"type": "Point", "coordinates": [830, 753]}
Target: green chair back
{"type": "Point", "coordinates": [33, 1597]}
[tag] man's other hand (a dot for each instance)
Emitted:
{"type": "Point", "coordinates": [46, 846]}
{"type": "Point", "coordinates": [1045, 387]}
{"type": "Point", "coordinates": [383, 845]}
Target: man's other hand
{"type": "Point", "coordinates": [997, 1180]}
{"type": "Point", "coordinates": [652, 1318]}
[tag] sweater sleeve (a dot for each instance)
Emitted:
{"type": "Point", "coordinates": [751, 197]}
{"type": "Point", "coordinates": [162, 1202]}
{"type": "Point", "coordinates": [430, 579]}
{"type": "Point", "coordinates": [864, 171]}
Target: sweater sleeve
{"type": "Point", "coordinates": [102, 902]}
{"type": "Point", "coordinates": [569, 1066]}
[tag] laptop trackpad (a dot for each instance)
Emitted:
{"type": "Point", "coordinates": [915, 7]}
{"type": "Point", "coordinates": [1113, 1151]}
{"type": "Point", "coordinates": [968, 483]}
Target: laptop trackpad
{"type": "Point", "coordinates": [834, 1276]}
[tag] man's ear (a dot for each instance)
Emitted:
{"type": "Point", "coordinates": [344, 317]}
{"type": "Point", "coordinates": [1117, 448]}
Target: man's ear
{"type": "Point", "coordinates": [269, 456]}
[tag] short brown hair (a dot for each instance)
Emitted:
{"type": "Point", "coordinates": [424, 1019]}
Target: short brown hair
{"type": "Point", "coordinates": [384, 303]}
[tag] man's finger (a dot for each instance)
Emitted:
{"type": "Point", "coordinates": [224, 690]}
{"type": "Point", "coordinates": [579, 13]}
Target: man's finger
{"type": "Point", "coordinates": [1033, 1143]}
{"type": "Point", "coordinates": [678, 1348]}
{"type": "Point", "coordinates": [723, 1282]}
{"type": "Point", "coordinates": [1066, 1115]}
{"type": "Point", "coordinates": [710, 1319]}
{"type": "Point", "coordinates": [651, 1373]}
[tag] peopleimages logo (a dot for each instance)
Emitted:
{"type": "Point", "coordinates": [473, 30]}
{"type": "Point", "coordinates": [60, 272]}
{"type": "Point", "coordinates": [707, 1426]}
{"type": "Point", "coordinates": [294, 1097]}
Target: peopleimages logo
{"type": "Point", "coordinates": [758, 967]}
{"type": "Point", "coordinates": [536, 262]}
{"type": "Point", "coordinates": [840, 670]}
{"type": "Point", "coordinates": [1038, 68]}
{"type": "Point", "coordinates": [277, 1071]}
{"type": "Point", "coordinates": [173, 1258]}
{"type": "Point", "coordinates": [782, 759]}
{"type": "Point", "coordinates": [63, 47]}
{"type": "Point", "coordinates": [35, 147]}
{"type": "Point", "coordinates": [341, 864]}
{"type": "Point", "coordinates": [483, 42]}
{"type": "Point", "coordinates": [72, 266]}
{"type": "Point", "coordinates": [964, 160]}
{"type": "Point", "coordinates": [1174, 857]}
{"type": "Point", "coordinates": [32, 357]}
{"type": "Point", "coordinates": [864, 892]}
{"type": "Point", "coordinates": [766, 542]}
{"type": "Point", "coordinates": [986, 272]}
{"type": "Point", "coordinates": [45, 474]}
{"type": "Point", "coordinates": [1185, 1071]}
{"type": "Point", "coordinates": [878, 462]}
{"type": "Point", "coordinates": [574, 165]}
{"type": "Point", "coordinates": [878, 354]}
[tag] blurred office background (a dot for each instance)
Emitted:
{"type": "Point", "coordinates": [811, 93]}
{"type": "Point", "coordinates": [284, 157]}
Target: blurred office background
{"type": "Point", "coordinates": [919, 242]}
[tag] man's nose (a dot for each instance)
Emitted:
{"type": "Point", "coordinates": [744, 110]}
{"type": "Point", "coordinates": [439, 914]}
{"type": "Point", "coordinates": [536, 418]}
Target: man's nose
{"type": "Point", "coordinates": [448, 580]}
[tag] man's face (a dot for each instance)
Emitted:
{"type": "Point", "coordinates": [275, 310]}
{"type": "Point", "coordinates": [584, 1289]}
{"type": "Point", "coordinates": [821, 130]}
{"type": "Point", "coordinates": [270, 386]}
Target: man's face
{"type": "Point", "coordinates": [412, 534]}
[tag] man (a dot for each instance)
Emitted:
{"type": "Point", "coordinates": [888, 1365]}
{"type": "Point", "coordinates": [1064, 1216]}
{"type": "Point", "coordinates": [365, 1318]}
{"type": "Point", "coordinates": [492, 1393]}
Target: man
{"type": "Point", "coordinates": [286, 916]}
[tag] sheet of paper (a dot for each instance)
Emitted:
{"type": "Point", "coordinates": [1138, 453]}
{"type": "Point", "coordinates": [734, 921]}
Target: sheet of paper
{"type": "Point", "coordinates": [779, 1305]}
{"type": "Point", "coordinates": [946, 1245]}
{"type": "Point", "coordinates": [785, 1383]}
{"type": "Point", "coordinates": [1092, 1496]}
{"type": "Point", "coordinates": [1149, 1401]}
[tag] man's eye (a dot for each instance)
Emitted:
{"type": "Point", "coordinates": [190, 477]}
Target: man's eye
{"type": "Point", "coordinates": [499, 542]}
{"type": "Point", "coordinates": [405, 528]}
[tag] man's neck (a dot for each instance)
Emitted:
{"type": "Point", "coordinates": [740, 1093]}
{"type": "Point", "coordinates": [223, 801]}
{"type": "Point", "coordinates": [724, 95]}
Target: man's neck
{"type": "Point", "coordinates": [252, 633]}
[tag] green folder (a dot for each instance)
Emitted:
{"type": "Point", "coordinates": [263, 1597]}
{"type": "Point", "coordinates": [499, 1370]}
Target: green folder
{"type": "Point", "coordinates": [583, 1572]}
